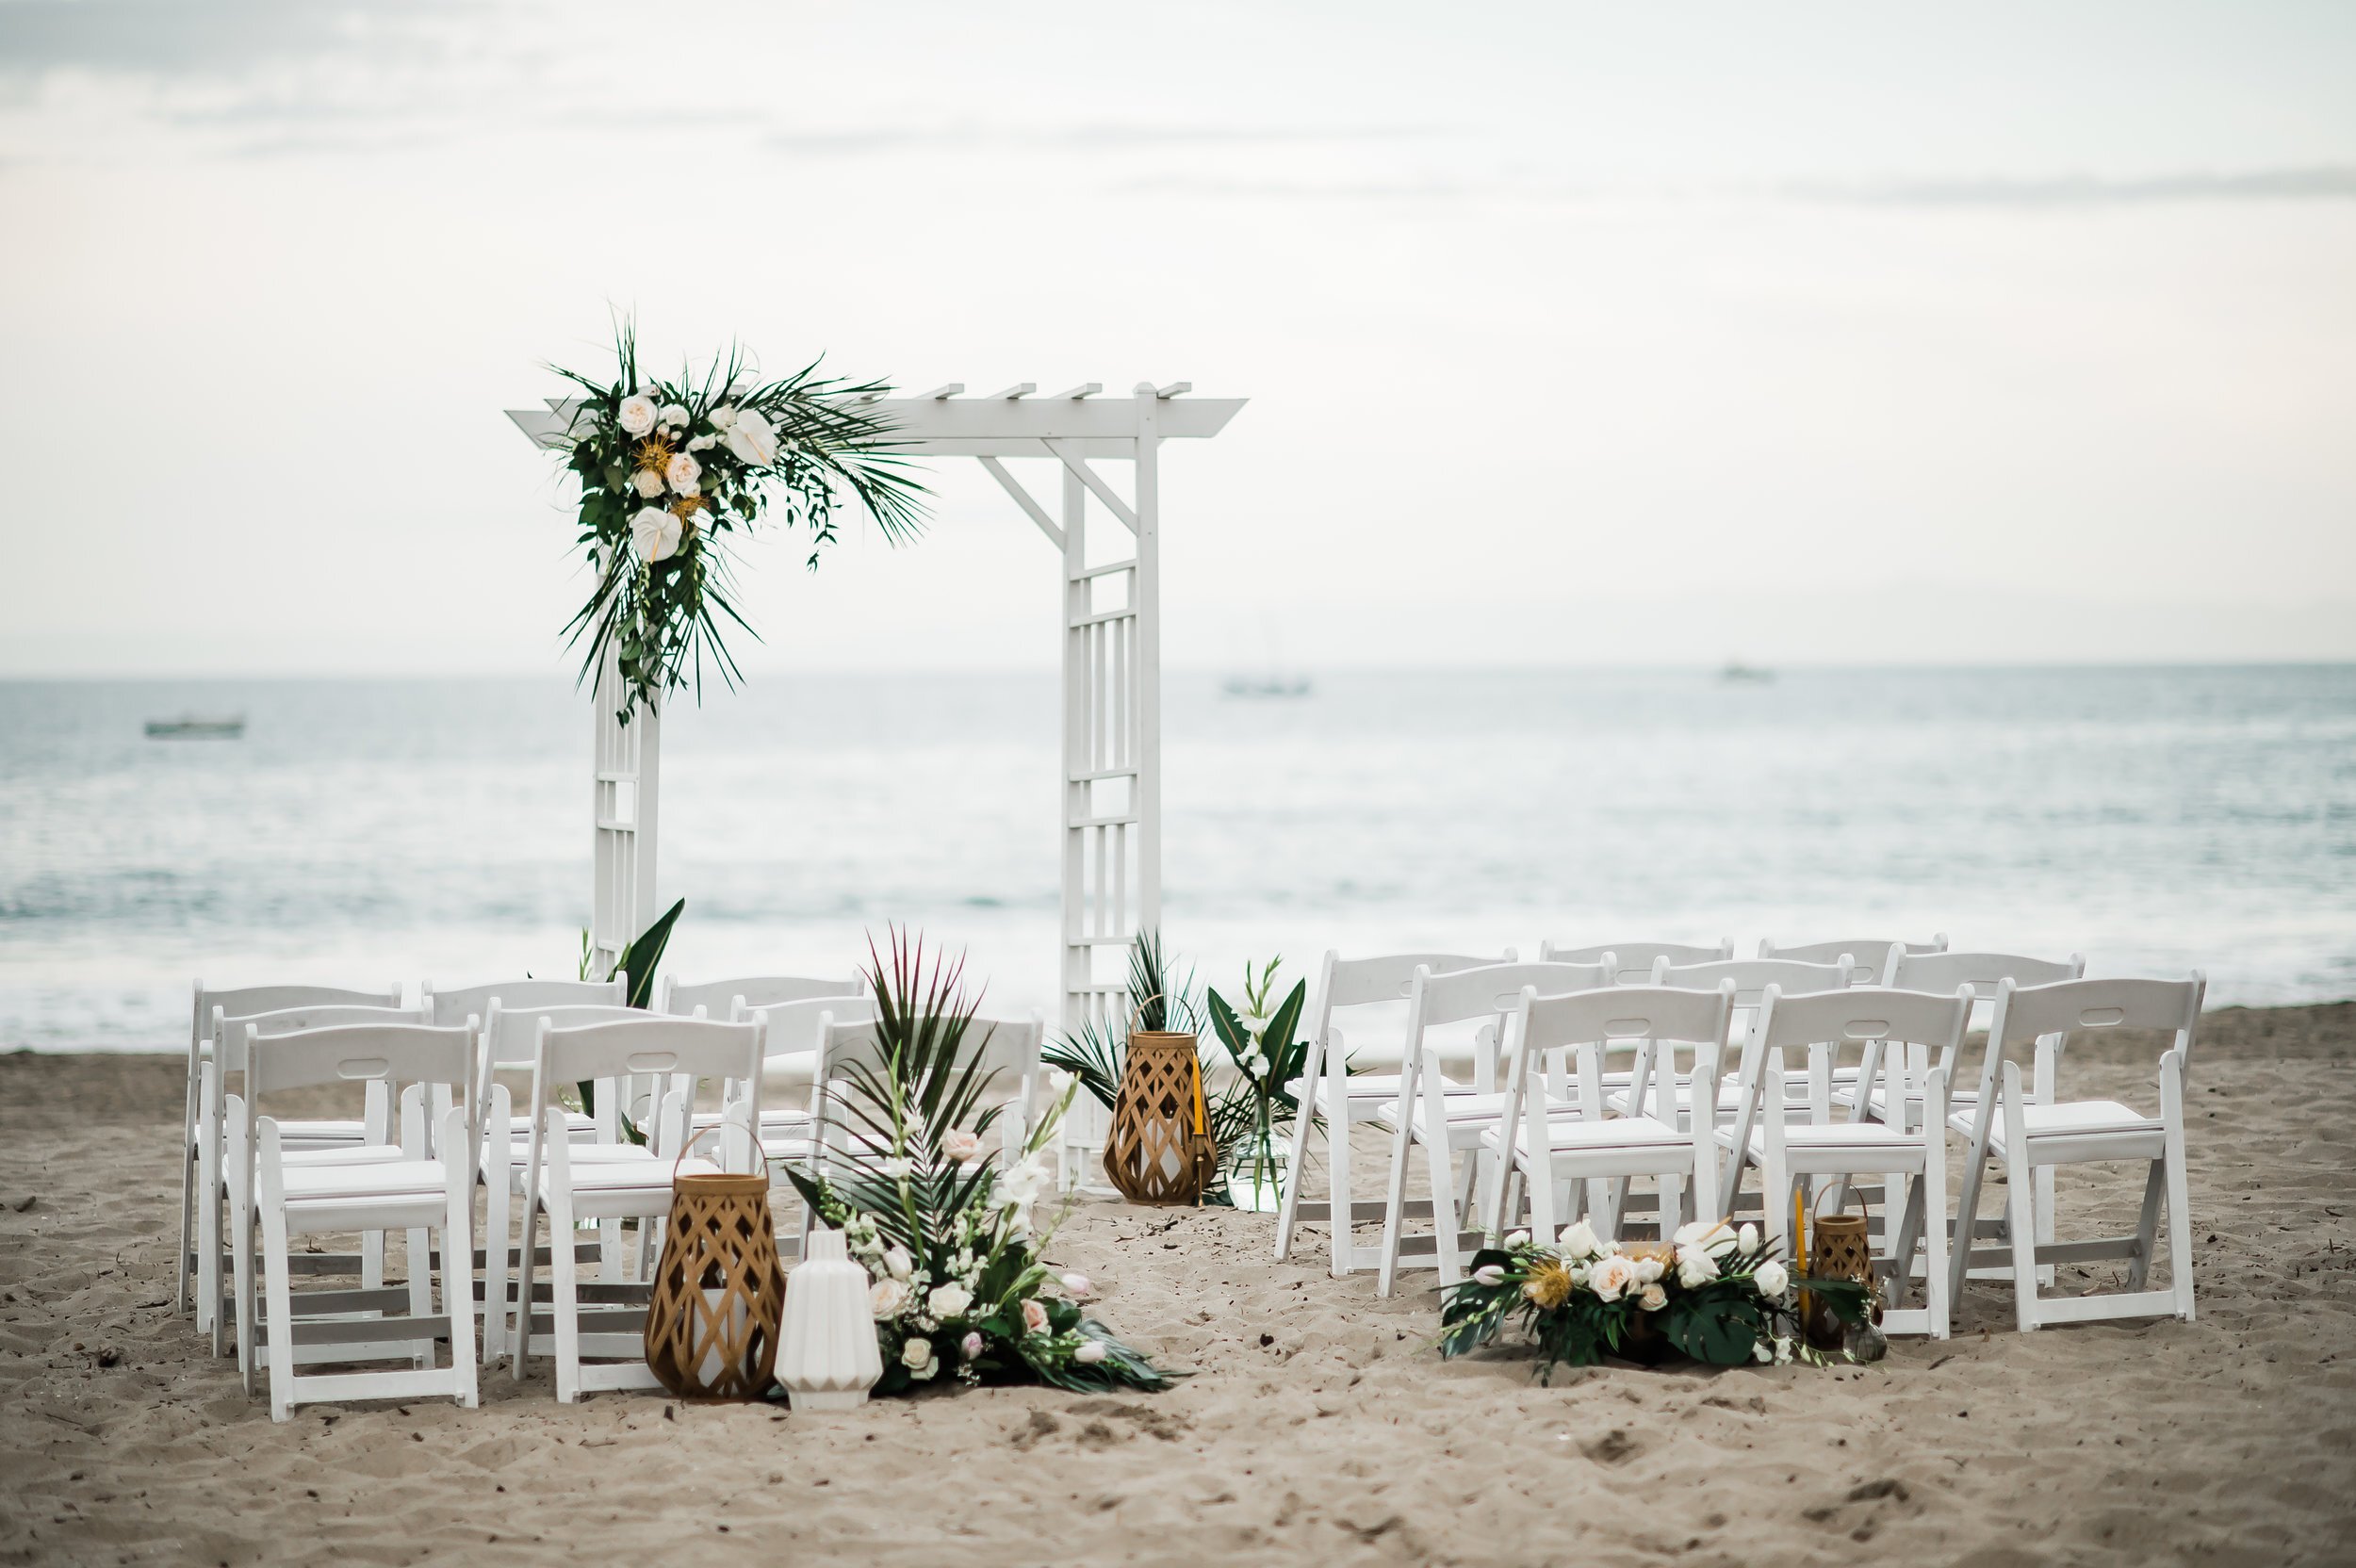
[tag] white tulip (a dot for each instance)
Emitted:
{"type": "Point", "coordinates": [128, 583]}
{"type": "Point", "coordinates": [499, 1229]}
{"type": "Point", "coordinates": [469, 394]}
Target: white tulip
{"type": "Point", "coordinates": [1579, 1241]}
{"type": "Point", "coordinates": [896, 1259]}
{"type": "Point", "coordinates": [1488, 1275]}
{"type": "Point", "coordinates": [655, 534]}
{"type": "Point", "coordinates": [1519, 1239]}
{"type": "Point", "coordinates": [1077, 1284]}
{"type": "Point", "coordinates": [637, 413]}
{"type": "Point", "coordinates": [683, 471]}
{"type": "Point", "coordinates": [1089, 1354]}
{"type": "Point", "coordinates": [1771, 1278]}
{"type": "Point", "coordinates": [1747, 1240]}
{"type": "Point", "coordinates": [750, 438]}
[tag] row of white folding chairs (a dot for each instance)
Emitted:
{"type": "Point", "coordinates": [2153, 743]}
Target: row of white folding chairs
{"type": "Point", "coordinates": [1682, 1131]}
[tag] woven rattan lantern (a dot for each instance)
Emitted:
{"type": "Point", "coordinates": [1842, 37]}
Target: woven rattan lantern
{"type": "Point", "coordinates": [712, 1328]}
{"type": "Point", "coordinates": [1837, 1250]}
{"type": "Point", "coordinates": [1154, 1153]}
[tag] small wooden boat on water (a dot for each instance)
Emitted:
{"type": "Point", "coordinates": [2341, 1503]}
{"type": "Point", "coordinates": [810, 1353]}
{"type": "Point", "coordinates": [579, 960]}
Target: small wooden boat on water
{"type": "Point", "coordinates": [190, 727]}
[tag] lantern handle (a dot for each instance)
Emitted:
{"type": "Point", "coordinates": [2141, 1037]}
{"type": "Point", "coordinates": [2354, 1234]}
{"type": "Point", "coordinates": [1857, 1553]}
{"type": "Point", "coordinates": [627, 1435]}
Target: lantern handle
{"type": "Point", "coordinates": [718, 1126]}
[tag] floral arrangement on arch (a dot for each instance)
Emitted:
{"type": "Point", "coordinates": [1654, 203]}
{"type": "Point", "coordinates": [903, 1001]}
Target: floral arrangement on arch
{"type": "Point", "coordinates": [945, 1217]}
{"type": "Point", "coordinates": [1713, 1292]}
{"type": "Point", "coordinates": [670, 469]}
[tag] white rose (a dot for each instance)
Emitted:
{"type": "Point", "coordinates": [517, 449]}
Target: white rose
{"type": "Point", "coordinates": [1649, 1269]}
{"type": "Point", "coordinates": [1611, 1277]}
{"type": "Point", "coordinates": [683, 471]}
{"type": "Point", "coordinates": [723, 416]}
{"type": "Point", "coordinates": [1579, 1241]}
{"type": "Point", "coordinates": [1077, 1284]}
{"type": "Point", "coordinates": [637, 413]}
{"type": "Point", "coordinates": [896, 1259]}
{"type": "Point", "coordinates": [916, 1354]}
{"type": "Point", "coordinates": [646, 482]}
{"type": "Point", "coordinates": [1089, 1354]}
{"type": "Point", "coordinates": [674, 414]}
{"type": "Point", "coordinates": [655, 532]}
{"type": "Point", "coordinates": [750, 438]}
{"type": "Point", "coordinates": [702, 443]}
{"type": "Point", "coordinates": [1695, 1266]}
{"type": "Point", "coordinates": [886, 1298]}
{"type": "Point", "coordinates": [962, 1147]}
{"type": "Point", "coordinates": [949, 1301]}
{"type": "Point", "coordinates": [1519, 1239]}
{"type": "Point", "coordinates": [1771, 1278]}
{"type": "Point", "coordinates": [1653, 1297]}
{"type": "Point", "coordinates": [1747, 1240]}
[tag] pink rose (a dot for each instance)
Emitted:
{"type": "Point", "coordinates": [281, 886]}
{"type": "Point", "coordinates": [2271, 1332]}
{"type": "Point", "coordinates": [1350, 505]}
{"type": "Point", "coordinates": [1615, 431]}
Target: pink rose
{"type": "Point", "coordinates": [971, 1345]}
{"type": "Point", "coordinates": [1033, 1317]}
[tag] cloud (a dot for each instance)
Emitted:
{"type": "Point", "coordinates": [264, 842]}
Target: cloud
{"type": "Point", "coordinates": [155, 37]}
{"type": "Point", "coordinates": [1078, 138]}
{"type": "Point", "coordinates": [2326, 182]}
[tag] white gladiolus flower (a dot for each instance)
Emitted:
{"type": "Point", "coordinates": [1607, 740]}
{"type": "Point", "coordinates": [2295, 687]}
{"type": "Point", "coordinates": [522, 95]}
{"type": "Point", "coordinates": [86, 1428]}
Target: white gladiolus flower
{"type": "Point", "coordinates": [1089, 1354]}
{"type": "Point", "coordinates": [1649, 1269]}
{"type": "Point", "coordinates": [1763, 1353]}
{"type": "Point", "coordinates": [1488, 1274]}
{"type": "Point", "coordinates": [646, 482]}
{"type": "Point", "coordinates": [750, 438]}
{"type": "Point", "coordinates": [1653, 1297]}
{"type": "Point", "coordinates": [722, 417]}
{"type": "Point", "coordinates": [1771, 1278]}
{"type": "Point", "coordinates": [1611, 1277]}
{"type": "Point", "coordinates": [1022, 1187]}
{"type": "Point", "coordinates": [897, 1261]}
{"type": "Point", "coordinates": [1783, 1351]}
{"type": "Point", "coordinates": [636, 415]}
{"type": "Point", "coordinates": [1519, 1239]}
{"type": "Point", "coordinates": [887, 1299]}
{"type": "Point", "coordinates": [1747, 1240]}
{"type": "Point", "coordinates": [674, 414]}
{"type": "Point", "coordinates": [948, 1300]}
{"type": "Point", "coordinates": [897, 1168]}
{"type": "Point", "coordinates": [1579, 1241]}
{"type": "Point", "coordinates": [1695, 1266]}
{"type": "Point", "coordinates": [683, 471]}
{"type": "Point", "coordinates": [1253, 1024]}
{"type": "Point", "coordinates": [702, 443]}
{"type": "Point", "coordinates": [654, 532]}
{"type": "Point", "coordinates": [916, 1354]}
{"type": "Point", "coordinates": [1077, 1284]}
{"type": "Point", "coordinates": [961, 1146]}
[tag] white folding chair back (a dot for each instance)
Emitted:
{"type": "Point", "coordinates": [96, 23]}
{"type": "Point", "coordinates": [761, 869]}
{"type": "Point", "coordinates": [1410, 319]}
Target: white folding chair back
{"type": "Point", "coordinates": [235, 1001]}
{"type": "Point", "coordinates": [414, 1193]}
{"type": "Point", "coordinates": [456, 1007]}
{"type": "Point", "coordinates": [720, 998]}
{"type": "Point", "coordinates": [1009, 1066]}
{"type": "Point", "coordinates": [1327, 1096]}
{"type": "Point", "coordinates": [2030, 1136]}
{"type": "Point", "coordinates": [1635, 959]}
{"type": "Point", "coordinates": [1871, 956]}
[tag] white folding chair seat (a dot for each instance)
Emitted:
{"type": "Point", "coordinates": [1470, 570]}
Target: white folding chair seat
{"type": "Point", "coordinates": [1444, 1125]}
{"type": "Point", "coordinates": [2032, 1136]}
{"type": "Point", "coordinates": [418, 1193]}
{"type": "Point", "coordinates": [1327, 1094]}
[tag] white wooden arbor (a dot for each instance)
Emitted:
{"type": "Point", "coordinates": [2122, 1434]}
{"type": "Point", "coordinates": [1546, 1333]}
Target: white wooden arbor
{"type": "Point", "coordinates": [1111, 786]}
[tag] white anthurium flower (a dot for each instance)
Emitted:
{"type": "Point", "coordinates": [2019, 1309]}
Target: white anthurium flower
{"type": "Point", "coordinates": [750, 438]}
{"type": "Point", "coordinates": [1771, 1278]}
{"type": "Point", "coordinates": [1747, 1240]}
{"type": "Point", "coordinates": [948, 1300]}
{"type": "Point", "coordinates": [637, 413]}
{"type": "Point", "coordinates": [1089, 1354]}
{"type": "Point", "coordinates": [916, 1354]}
{"type": "Point", "coordinates": [1519, 1239]}
{"type": "Point", "coordinates": [683, 472]}
{"type": "Point", "coordinates": [887, 1299]}
{"type": "Point", "coordinates": [647, 483]}
{"type": "Point", "coordinates": [722, 417]}
{"type": "Point", "coordinates": [655, 534]}
{"type": "Point", "coordinates": [1653, 1297]}
{"type": "Point", "coordinates": [1695, 1266]}
{"type": "Point", "coordinates": [1579, 1241]}
{"type": "Point", "coordinates": [898, 1263]}
{"type": "Point", "coordinates": [1488, 1274]}
{"type": "Point", "coordinates": [674, 414]}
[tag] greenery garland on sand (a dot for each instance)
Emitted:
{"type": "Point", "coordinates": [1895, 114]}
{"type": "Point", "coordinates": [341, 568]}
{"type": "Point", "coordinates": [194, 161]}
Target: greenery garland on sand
{"type": "Point", "coordinates": [944, 1218]}
{"type": "Point", "coordinates": [1712, 1292]}
{"type": "Point", "coordinates": [670, 469]}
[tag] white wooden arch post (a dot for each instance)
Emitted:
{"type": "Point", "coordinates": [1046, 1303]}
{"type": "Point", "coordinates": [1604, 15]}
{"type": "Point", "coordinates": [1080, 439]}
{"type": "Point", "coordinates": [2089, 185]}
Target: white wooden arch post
{"type": "Point", "coordinates": [1111, 791]}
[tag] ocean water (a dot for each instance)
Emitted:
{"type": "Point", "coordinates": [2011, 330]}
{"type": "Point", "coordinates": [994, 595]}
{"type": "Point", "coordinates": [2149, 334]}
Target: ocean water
{"type": "Point", "coordinates": [362, 832]}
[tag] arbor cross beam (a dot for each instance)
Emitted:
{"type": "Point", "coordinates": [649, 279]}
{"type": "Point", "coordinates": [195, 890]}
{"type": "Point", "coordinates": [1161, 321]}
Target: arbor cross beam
{"type": "Point", "coordinates": [1111, 788]}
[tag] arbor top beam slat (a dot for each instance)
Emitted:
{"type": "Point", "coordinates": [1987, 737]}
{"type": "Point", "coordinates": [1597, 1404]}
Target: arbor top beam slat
{"type": "Point", "coordinates": [1000, 426]}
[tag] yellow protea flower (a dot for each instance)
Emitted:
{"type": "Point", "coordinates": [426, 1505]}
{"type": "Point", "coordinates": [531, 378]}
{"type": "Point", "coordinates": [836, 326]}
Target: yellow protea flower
{"type": "Point", "coordinates": [654, 452]}
{"type": "Point", "coordinates": [1549, 1283]}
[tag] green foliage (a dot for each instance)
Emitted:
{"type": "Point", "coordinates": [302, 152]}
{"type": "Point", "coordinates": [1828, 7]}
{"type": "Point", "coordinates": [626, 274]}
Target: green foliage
{"type": "Point", "coordinates": [638, 961]}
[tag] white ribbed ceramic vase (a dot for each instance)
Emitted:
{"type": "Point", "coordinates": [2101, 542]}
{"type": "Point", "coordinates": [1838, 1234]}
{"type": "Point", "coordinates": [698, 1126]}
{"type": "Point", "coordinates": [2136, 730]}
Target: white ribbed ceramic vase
{"type": "Point", "coordinates": [827, 1358]}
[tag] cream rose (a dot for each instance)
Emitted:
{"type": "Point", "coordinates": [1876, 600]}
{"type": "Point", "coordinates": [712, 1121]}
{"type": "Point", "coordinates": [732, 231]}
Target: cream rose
{"type": "Point", "coordinates": [646, 482]}
{"type": "Point", "coordinates": [655, 532]}
{"type": "Point", "coordinates": [962, 1147]}
{"type": "Point", "coordinates": [948, 1300]}
{"type": "Point", "coordinates": [683, 471]}
{"type": "Point", "coordinates": [674, 414]}
{"type": "Point", "coordinates": [1579, 1241]}
{"type": "Point", "coordinates": [1611, 1277]}
{"type": "Point", "coordinates": [1653, 1297]}
{"type": "Point", "coordinates": [1771, 1278]}
{"type": "Point", "coordinates": [637, 413]}
{"type": "Point", "coordinates": [916, 1354]}
{"type": "Point", "coordinates": [887, 1299]}
{"type": "Point", "coordinates": [750, 438]}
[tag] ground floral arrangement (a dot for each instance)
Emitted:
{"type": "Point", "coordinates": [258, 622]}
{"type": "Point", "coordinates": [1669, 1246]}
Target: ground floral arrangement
{"type": "Point", "coordinates": [1712, 1292]}
{"type": "Point", "coordinates": [944, 1218]}
{"type": "Point", "coordinates": [669, 469]}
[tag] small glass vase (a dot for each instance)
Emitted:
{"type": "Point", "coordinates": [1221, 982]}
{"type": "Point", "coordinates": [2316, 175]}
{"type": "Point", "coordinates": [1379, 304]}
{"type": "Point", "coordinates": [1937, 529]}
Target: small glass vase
{"type": "Point", "coordinates": [1255, 1174]}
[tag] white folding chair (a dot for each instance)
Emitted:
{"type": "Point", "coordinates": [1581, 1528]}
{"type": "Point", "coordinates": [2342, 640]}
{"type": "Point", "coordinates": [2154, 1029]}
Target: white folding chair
{"type": "Point", "coordinates": [1009, 1050]}
{"type": "Point", "coordinates": [225, 1172]}
{"type": "Point", "coordinates": [1751, 977]}
{"type": "Point", "coordinates": [511, 1042]}
{"type": "Point", "coordinates": [236, 1002]}
{"type": "Point", "coordinates": [1879, 1024]}
{"type": "Point", "coordinates": [635, 1184]}
{"type": "Point", "coordinates": [1635, 960]}
{"type": "Point", "coordinates": [336, 1195]}
{"type": "Point", "coordinates": [1331, 1095]}
{"type": "Point", "coordinates": [1558, 1129]}
{"type": "Point", "coordinates": [719, 998]}
{"type": "Point", "coordinates": [1869, 957]}
{"type": "Point", "coordinates": [2029, 1135]}
{"type": "Point", "coordinates": [1425, 1112]}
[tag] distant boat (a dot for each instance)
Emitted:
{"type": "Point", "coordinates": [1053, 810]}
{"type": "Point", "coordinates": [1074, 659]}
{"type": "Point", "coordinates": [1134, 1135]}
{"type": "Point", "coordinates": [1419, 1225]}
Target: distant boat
{"type": "Point", "coordinates": [189, 727]}
{"type": "Point", "coordinates": [1267, 686]}
{"type": "Point", "coordinates": [1739, 674]}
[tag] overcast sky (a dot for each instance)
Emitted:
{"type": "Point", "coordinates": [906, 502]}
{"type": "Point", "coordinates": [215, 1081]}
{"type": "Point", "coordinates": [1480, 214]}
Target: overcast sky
{"type": "Point", "coordinates": [1573, 334]}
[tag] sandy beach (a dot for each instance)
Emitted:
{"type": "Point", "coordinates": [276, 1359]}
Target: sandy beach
{"type": "Point", "coordinates": [1318, 1425]}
